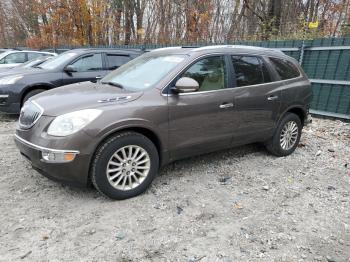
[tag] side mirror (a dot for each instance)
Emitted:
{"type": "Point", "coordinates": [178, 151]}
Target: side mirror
{"type": "Point", "coordinates": [186, 85]}
{"type": "Point", "coordinates": [69, 69]}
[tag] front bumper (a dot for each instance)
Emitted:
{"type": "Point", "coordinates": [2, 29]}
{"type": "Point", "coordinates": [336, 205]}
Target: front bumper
{"type": "Point", "coordinates": [74, 172]}
{"type": "Point", "coordinates": [8, 106]}
{"type": "Point", "coordinates": [10, 98]}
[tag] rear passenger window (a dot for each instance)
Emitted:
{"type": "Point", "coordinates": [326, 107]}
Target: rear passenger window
{"type": "Point", "coordinates": [115, 61]}
{"type": "Point", "coordinates": [250, 70]}
{"type": "Point", "coordinates": [285, 68]}
{"type": "Point", "coordinates": [34, 55]}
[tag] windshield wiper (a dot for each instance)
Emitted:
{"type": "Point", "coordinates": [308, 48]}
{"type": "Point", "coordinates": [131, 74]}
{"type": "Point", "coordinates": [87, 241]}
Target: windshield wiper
{"type": "Point", "coordinates": [113, 84]}
{"type": "Point", "coordinates": [37, 67]}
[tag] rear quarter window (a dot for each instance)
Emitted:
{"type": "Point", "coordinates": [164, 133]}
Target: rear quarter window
{"type": "Point", "coordinates": [115, 61]}
{"type": "Point", "coordinates": [285, 68]}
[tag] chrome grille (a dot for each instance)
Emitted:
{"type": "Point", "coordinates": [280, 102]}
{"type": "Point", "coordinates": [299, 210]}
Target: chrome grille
{"type": "Point", "coordinates": [30, 114]}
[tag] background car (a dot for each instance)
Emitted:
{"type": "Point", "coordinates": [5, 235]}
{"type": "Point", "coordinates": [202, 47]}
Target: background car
{"type": "Point", "coordinates": [73, 66]}
{"type": "Point", "coordinates": [2, 50]}
{"type": "Point", "coordinates": [31, 63]}
{"type": "Point", "coordinates": [12, 58]}
{"type": "Point", "coordinates": [55, 50]}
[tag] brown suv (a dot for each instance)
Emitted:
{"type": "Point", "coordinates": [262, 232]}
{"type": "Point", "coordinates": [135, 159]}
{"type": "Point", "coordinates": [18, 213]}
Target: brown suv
{"type": "Point", "coordinates": [165, 105]}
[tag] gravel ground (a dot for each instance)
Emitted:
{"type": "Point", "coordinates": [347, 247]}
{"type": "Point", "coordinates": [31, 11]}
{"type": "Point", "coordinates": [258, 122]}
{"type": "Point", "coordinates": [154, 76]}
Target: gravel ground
{"type": "Point", "coordinates": [236, 205]}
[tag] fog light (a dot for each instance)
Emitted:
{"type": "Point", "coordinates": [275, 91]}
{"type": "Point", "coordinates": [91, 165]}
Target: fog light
{"type": "Point", "coordinates": [57, 157]}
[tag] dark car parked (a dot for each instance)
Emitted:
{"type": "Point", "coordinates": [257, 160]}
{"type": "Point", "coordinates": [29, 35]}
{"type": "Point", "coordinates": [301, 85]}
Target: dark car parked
{"type": "Point", "coordinates": [165, 105]}
{"type": "Point", "coordinates": [70, 67]}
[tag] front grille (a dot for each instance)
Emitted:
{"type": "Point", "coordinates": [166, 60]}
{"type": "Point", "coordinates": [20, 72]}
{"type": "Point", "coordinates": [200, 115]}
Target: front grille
{"type": "Point", "coordinates": [30, 114]}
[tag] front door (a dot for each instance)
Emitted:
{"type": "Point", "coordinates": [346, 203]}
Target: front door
{"type": "Point", "coordinates": [202, 121]}
{"type": "Point", "coordinates": [87, 68]}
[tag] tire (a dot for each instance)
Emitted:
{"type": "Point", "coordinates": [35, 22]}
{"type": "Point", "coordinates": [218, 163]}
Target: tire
{"type": "Point", "coordinates": [31, 93]}
{"type": "Point", "coordinates": [111, 183]}
{"type": "Point", "coordinates": [276, 145]}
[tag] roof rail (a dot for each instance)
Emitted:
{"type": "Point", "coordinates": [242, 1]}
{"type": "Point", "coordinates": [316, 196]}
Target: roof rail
{"type": "Point", "coordinates": [236, 46]}
{"type": "Point", "coordinates": [166, 48]}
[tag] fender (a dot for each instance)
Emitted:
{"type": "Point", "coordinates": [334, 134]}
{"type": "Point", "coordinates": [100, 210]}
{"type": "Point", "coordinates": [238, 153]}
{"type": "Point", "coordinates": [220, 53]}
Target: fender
{"type": "Point", "coordinates": [43, 85]}
{"type": "Point", "coordinates": [133, 124]}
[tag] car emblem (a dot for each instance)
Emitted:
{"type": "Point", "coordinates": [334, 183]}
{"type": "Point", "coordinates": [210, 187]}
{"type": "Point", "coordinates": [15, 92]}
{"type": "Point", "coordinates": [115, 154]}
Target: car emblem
{"type": "Point", "coordinates": [114, 99]}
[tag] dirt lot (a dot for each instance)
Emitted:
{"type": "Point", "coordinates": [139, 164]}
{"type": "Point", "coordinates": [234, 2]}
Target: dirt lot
{"type": "Point", "coordinates": [237, 205]}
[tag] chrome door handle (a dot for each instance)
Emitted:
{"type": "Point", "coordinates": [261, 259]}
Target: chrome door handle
{"type": "Point", "coordinates": [226, 105]}
{"type": "Point", "coordinates": [271, 98]}
{"type": "Point", "coordinates": [98, 77]}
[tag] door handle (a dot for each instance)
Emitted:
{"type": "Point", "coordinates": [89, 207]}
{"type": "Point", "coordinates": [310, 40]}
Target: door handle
{"type": "Point", "coordinates": [271, 98]}
{"type": "Point", "coordinates": [98, 77]}
{"type": "Point", "coordinates": [226, 105]}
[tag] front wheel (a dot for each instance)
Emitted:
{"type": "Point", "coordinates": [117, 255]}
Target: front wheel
{"type": "Point", "coordinates": [286, 137]}
{"type": "Point", "coordinates": [125, 165]}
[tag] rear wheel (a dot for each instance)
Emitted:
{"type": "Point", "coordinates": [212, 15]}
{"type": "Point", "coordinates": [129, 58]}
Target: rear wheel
{"type": "Point", "coordinates": [125, 165]}
{"type": "Point", "coordinates": [32, 93]}
{"type": "Point", "coordinates": [286, 137]}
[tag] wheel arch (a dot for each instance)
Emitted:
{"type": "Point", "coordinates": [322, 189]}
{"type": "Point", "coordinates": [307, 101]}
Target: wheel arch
{"type": "Point", "coordinates": [300, 111]}
{"type": "Point", "coordinates": [147, 132]}
{"type": "Point", "coordinates": [34, 87]}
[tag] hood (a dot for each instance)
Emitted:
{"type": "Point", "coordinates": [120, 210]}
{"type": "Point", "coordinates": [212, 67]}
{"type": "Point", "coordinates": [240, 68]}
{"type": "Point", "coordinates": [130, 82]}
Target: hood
{"type": "Point", "coordinates": [14, 71]}
{"type": "Point", "coordinates": [20, 71]}
{"type": "Point", "coordinates": [85, 95]}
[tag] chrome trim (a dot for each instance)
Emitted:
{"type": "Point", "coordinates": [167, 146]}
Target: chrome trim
{"type": "Point", "coordinates": [44, 149]}
{"type": "Point", "coordinates": [4, 96]}
{"type": "Point", "coordinates": [230, 88]}
{"type": "Point", "coordinates": [114, 99]}
{"type": "Point", "coordinates": [41, 113]}
{"type": "Point", "coordinates": [228, 105]}
{"type": "Point", "coordinates": [227, 88]}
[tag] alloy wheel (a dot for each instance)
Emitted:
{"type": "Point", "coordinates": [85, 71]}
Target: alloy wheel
{"type": "Point", "coordinates": [289, 135]}
{"type": "Point", "coordinates": [128, 167]}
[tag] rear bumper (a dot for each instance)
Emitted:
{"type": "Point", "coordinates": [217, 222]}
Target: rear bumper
{"type": "Point", "coordinates": [73, 173]}
{"type": "Point", "coordinates": [308, 120]}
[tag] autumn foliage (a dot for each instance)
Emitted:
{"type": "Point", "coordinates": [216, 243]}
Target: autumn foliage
{"type": "Point", "coordinates": [52, 23]}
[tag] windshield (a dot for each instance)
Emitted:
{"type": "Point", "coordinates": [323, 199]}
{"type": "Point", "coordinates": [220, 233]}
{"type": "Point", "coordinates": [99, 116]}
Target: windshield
{"type": "Point", "coordinates": [57, 61]}
{"type": "Point", "coordinates": [143, 72]}
{"type": "Point", "coordinates": [33, 62]}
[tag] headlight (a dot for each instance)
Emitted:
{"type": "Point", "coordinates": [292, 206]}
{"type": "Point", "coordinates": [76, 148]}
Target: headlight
{"type": "Point", "coordinates": [70, 123]}
{"type": "Point", "coordinates": [9, 80]}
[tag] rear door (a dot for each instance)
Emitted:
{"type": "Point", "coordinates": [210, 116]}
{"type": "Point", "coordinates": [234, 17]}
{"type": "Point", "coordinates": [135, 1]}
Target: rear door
{"type": "Point", "coordinates": [256, 97]}
{"type": "Point", "coordinates": [202, 121]}
{"type": "Point", "coordinates": [88, 67]}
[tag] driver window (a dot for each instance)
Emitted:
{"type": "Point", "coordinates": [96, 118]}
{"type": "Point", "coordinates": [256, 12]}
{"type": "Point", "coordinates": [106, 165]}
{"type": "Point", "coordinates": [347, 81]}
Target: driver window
{"type": "Point", "coordinates": [88, 63]}
{"type": "Point", "coordinates": [210, 73]}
